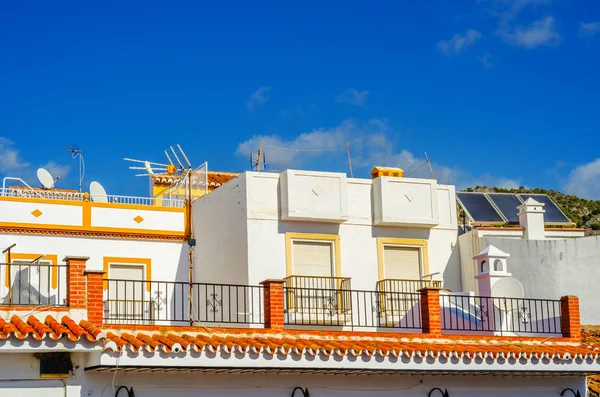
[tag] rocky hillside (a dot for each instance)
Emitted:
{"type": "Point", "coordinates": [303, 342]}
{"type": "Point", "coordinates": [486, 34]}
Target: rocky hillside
{"type": "Point", "coordinates": [585, 213]}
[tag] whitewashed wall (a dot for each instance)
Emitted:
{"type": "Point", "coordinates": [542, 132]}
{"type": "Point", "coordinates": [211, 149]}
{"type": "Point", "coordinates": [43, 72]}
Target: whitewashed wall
{"type": "Point", "coordinates": [169, 259]}
{"type": "Point", "coordinates": [244, 215]}
{"type": "Point", "coordinates": [547, 269]}
{"type": "Point", "coordinates": [20, 377]}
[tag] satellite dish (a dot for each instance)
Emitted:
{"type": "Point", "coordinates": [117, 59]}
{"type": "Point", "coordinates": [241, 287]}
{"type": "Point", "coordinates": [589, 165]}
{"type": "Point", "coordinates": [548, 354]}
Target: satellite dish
{"type": "Point", "coordinates": [97, 193]}
{"type": "Point", "coordinates": [508, 287]}
{"type": "Point", "coordinates": [45, 178]}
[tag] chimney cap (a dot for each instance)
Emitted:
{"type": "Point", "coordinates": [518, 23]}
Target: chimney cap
{"type": "Point", "coordinates": [386, 171]}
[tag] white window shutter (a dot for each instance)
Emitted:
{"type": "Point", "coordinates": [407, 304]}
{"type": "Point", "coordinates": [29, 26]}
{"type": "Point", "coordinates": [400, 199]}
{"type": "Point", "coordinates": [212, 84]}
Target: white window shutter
{"type": "Point", "coordinates": [311, 258]}
{"type": "Point", "coordinates": [402, 263]}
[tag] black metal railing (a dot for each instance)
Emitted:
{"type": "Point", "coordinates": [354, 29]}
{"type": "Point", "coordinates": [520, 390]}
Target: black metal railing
{"type": "Point", "coordinates": [155, 302]}
{"type": "Point", "coordinates": [351, 308]}
{"type": "Point", "coordinates": [510, 315]}
{"type": "Point", "coordinates": [318, 282]}
{"type": "Point", "coordinates": [410, 286]}
{"type": "Point", "coordinates": [33, 284]}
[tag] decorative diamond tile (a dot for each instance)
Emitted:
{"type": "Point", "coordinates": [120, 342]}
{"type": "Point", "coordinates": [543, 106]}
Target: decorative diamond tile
{"type": "Point", "coordinates": [37, 213]}
{"type": "Point", "coordinates": [138, 219]}
{"type": "Point", "coordinates": [317, 190]}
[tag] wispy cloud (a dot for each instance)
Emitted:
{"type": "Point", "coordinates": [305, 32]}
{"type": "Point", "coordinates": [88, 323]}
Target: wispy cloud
{"type": "Point", "coordinates": [584, 180]}
{"type": "Point", "coordinates": [539, 33]}
{"type": "Point", "coordinates": [517, 5]}
{"type": "Point", "coordinates": [371, 144]}
{"type": "Point", "coordinates": [258, 98]}
{"type": "Point", "coordinates": [589, 29]}
{"type": "Point", "coordinates": [13, 164]}
{"type": "Point", "coordinates": [353, 96]}
{"type": "Point", "coordinates": [485, 61]}
{"type": "Point", "coordinates": [10, 157]}
{"type": "Point", "coordinates": [459, 42]}
{"type": "Point", "coordinates": [56, 169]}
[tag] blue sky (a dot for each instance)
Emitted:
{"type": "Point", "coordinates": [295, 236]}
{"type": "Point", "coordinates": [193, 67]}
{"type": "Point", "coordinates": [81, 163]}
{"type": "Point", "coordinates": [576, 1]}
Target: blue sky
{"type": "Point", "coordinates": [497, 92]}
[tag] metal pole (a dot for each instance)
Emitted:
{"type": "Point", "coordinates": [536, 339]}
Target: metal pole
{"type": "Point", "coordinates": [349, 160]}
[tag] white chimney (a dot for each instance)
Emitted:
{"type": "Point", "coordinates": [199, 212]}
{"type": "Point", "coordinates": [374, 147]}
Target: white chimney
{"type": "Point", "coordinates": [491, 267]}
{"type": "Point", "coordinates": [531, 218]}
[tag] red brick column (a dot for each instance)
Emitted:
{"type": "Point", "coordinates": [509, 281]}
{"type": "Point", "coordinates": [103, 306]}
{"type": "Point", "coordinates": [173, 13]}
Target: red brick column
{"type": "Point", "coordinates": [431, 316]}
{"type": "Point", "coordinates": [76, 282]}
{"type": "Point", "coordinates": [95, 291]}
{"type": "Point", "coordinates": [273, 302]}
{"type": "Point", "coordinates": [570, 320]}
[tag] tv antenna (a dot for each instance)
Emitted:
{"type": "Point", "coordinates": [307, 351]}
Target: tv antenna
{"type": "Point", "coordinates": [75, 153]}
{"type": "Point", "coordinates": [261, 161]}
{"type": "Point", "coordinates": [153, 168]}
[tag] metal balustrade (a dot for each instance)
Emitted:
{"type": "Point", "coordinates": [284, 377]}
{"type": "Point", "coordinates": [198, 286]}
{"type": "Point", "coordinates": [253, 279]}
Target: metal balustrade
{"type": "Point", "coordinates": [351, 308]}
{"type": "Point", "coordinates": [176, 302]}
{"type": "Point", "coordinates": [33, 284]}
{"type": "Point", "coordinates": [410, 286]}
{"type": "Point", "coordinates": [500, 315]}
{"type": "Point", "coordinates": [76, 196]}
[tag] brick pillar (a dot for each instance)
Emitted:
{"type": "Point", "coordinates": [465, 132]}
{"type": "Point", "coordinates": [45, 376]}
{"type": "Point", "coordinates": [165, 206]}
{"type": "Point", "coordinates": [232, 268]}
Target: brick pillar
{"type": "Point", "coordinates": [273, 302]}
{"type": "Point", "coordinates": [570, 320]}
{"type": "Point", "coordinates": [76, 282]}
{"type": "Point", "coordinates": [95, 291]}
{"type": "Point", "coordinates": [431, 316]}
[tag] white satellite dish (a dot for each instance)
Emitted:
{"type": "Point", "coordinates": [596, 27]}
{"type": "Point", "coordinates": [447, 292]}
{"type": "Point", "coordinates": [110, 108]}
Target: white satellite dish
{"type": "Point", "coordinates": [45, 178]}
{"type": "Point", "coordinates": [97, 192]}
{"type": "Point", "coordinates": [508, 287]}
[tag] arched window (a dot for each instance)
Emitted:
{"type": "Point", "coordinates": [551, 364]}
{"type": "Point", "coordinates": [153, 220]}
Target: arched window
{"type": "Point", "coordinates": [484, 267]}
{"type": "Point", "coordinates": [498, 265]}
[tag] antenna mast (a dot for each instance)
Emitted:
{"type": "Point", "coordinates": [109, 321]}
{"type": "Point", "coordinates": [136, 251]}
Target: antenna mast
{"type": "Point", "coordinates": [76, 152]}
{"type": "Point", "coordinates": [349, 160]}
{"type": "Point", "coordinates": [430, 168]}
{"type": "Point", "coordinates": [259, 158]}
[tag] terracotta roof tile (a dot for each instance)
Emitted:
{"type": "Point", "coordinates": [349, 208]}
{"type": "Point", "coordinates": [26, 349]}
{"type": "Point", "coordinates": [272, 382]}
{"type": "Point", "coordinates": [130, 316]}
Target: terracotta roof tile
{"type": "Point", "coordinates": [50, 328]}
{"type": "Point", "coordinates": [590, 336]}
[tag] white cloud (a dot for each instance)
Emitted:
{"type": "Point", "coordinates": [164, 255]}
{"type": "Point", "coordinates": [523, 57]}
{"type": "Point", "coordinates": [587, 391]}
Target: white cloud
{"type": "Point", "coordinates": [353, 96]}
{"type": "Point", "coordinates": [540, 32]}
{"type": "Point", "coordinates": [485, 61]}
{"type": "Point", "coordinates": [10, 157]}
{"type": "Point", "coordinates": [459, 42]}
{"type": "Point", "coordinates": [369, 144]}
{"type": "Point", "coordinates": [56, 169]}
{"type": "Point", "coordinates": [584, 181]}
{"type": "Point", "coordinates": [258, 98]}
{"type": "Point", "coordinates": [517, 5]}
{"type": "Point", "coordinates": [12, 164]}
{"type": "Point", "coordinates": [589, 29]}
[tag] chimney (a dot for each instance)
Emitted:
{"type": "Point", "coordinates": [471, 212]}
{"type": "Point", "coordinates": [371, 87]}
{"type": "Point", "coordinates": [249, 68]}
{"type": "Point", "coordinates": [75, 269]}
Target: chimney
{"type": "Point", "coordinates": [531, 218]}
{"type": "Point", "coordinates": [386, 171]}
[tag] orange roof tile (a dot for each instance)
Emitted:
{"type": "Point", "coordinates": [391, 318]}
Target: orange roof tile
{"type": "Point", "coordinates": [590, 336]}
{"type": "Point", "coordinates": [50, 328]}
{"type": "Point", "coordinates": [299, 343]}
{"type": "Point", "coordinates": [302, 343]}
{"type": "Point", "coordinates": [215, 178]}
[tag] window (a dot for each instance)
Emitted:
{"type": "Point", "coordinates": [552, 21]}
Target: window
{"type": "Point", "coordinates": [402, 259]}
{"type": "Point", "coordinates": [32, 279]}
{"type": "Point", "coordinates": [128, 297]}
{"type": "Point", "coordinates": [312, 258]}
{"type": "Point", "coordinates": [498, 265]}
{"type": "Point", "coordinates": [402, 263]}
{"type": "Point", "coordinates": [309, 254]}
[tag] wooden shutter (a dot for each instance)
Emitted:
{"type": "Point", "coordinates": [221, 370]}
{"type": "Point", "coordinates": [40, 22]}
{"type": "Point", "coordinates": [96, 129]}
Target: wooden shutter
{"type": "Point", "coordinates": [403, 263]}
{"type": "Point", "coordinates": [311, 258]}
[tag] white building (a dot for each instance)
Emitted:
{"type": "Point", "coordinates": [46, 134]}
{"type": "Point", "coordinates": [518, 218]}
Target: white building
{"type": "Point", "coordinates": [269, 283]}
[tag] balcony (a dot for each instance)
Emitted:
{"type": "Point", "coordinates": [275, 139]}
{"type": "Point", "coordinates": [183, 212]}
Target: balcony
{"type": "Point", "coordinates": [295, 303]}
{"type": "Point", "coordinates": [181, 303]}
{"type": "Point", "coordinates": [33, 284]}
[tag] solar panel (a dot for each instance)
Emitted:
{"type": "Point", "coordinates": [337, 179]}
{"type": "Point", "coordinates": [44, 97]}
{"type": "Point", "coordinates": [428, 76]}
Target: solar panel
{"type": "Point", "coordinates": [479, 208]}
{"type": "Point", "coordinates": [553, 213]}
{"type": "Point", "coordinates": [507, 204]}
